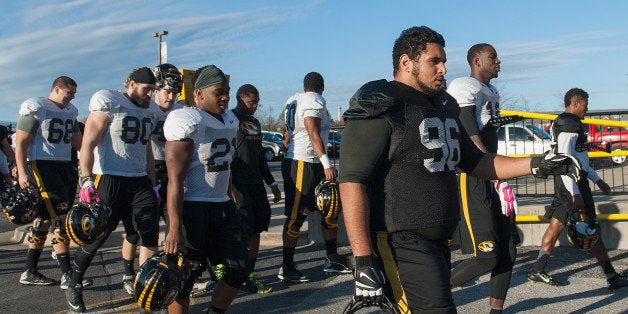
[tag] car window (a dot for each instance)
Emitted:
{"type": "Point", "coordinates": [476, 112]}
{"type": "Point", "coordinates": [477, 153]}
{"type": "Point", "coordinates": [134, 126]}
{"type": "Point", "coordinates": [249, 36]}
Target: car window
{"type": "Point", "coordinates": [501, 134]}
{"type": "Point", "coordinates": [518, 134]}
{"type": "Point", "coordinates": [539, 132]}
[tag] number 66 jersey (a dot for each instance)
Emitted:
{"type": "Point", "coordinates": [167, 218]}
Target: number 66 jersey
{"type": "Point", "coordinates": [214, 146]}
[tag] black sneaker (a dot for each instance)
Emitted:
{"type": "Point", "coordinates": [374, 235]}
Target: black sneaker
{"type": "Point", "coordinates": [544, 278]}
{"type": "Point", "coordinates": [74, 296]}
{"type": "Point", "coordinates": [337, 264]}
{"type": "Point", "coordinates": [618, 282]}
{"type": "Point", "coordinates": [291, 273]}
{"type": "Point", "coordinates": [65, 281]}
{"type": "Point", "coordinates": [35, 279]}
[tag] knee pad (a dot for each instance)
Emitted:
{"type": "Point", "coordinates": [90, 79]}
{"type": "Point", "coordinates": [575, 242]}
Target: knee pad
{"type": "Point", "coordinates": [37, 237]}
{"type": "Point", "coordinates": [292, 227]}
{"type": "Point", "coordinates": [237, 272]}
{"type": "Point", "coordinates": [59, 236]}
{"type": "Point", "coordinates": [132, 238]}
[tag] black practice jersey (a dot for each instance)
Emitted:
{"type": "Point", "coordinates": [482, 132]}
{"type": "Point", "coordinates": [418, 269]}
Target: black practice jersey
{"type": "Point", "coordinates": [405, 146]}
{"type": "Point", "coordinates": [249, 165]}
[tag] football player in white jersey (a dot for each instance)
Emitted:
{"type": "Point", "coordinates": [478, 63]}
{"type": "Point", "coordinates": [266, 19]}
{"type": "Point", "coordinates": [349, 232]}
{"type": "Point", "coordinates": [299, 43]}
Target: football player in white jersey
{"type": "Point", "coordinates": [202, 218]}
{"type": "Point", "coordinates": [305, 164]}
{"type": "Point", "coordinates": [486, 231]}
{"type": "Point", "coordinates": [167, 87]}
{"type": "Point", "coordinates": [117, 168]}
{"type": "Point", "coordinates": [46, 132]}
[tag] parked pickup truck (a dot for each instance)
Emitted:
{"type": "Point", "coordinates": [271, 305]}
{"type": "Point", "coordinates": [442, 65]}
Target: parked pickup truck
{"type": "Point", "coordinates": [617, 136]}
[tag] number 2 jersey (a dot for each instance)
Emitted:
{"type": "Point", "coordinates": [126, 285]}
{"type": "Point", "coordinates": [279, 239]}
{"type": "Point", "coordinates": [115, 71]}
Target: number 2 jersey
{"type": "Point", "coordinates": [404, 146]}
{"type": "Point", "coordinates": [214, 146]}
{"type": "Point", "coordinates": [53, 139]}
{"type": "Point", "coordinates": [478, 103]}
{"type": "Point", "coordinates": [122, 148]}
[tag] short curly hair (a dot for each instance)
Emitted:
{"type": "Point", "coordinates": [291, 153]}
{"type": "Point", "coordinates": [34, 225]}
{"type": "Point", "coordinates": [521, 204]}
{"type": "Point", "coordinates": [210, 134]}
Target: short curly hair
{"type": "Point", "coordinates": [413, 42]}
{"type": "Point", "coordinates": [575, 93]}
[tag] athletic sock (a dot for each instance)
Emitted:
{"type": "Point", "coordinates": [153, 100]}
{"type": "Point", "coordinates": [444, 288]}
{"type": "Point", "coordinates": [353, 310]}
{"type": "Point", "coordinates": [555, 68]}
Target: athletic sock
{"type": "Point", "coordinates": [288, 256]}
{"type": "Point", "coordinates": [63, 260]}
{"type": "Point", "coordinates": [541, 262]}
{"type": "Point", "coordinates": [32, 258]}
{"type": "Point", "coordinates": [331, 247]}
{"type": "Point", "coordinates": [129, 266]}
{"type": "Point", "coordinates": [496, 310]}
{"type": "Point", "coordinates": [609, 270]}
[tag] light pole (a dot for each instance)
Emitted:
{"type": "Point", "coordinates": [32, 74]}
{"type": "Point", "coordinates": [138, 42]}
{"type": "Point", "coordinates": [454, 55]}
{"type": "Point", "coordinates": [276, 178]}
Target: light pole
{"type": "Point", "coordinates": [158, 35]}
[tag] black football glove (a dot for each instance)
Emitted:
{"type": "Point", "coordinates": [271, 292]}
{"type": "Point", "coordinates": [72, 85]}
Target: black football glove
{"type": "Point", "coordinates": [369, 280]}
{"type": "Point", "coordinates": [555, 164]}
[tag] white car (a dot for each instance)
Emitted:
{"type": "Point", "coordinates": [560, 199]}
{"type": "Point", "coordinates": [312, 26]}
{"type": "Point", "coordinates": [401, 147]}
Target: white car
{"type": "Point", "coordinates": [519, 138]}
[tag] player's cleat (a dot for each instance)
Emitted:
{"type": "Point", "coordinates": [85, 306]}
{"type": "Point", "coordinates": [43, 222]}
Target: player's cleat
{"type": "Point", "coordinates": [337, 264]}
{"type": "Point", "coordinates": [74, 297]}
{"type": "Point", "coordinates": [618, 282]}
{"type": "Point", "coordinates": [220, 271]}
{"type": "Point", "coordinates": [202, 287]}
{"type": "Point", "coordinates": [35, 279]}
{"type": "Point", "coordinates": [291, 273]}
{"type": "Point", "coordinates": [253, 285]}
{"type": "Point", "coordinates": [544, 278]}
{"type": "Point", "coordinates": [65, 281]}
{"type": "Point", "coordinates": [127, 284]}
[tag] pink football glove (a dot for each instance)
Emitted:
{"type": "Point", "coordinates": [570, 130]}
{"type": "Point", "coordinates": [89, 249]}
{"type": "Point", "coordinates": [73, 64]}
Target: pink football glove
{"type": "Point", "coordinates": [156, 188]}
{"type": "Point", "coordinates": [88, 192]}
{"type": "Point", "coordinates": [507, 198]}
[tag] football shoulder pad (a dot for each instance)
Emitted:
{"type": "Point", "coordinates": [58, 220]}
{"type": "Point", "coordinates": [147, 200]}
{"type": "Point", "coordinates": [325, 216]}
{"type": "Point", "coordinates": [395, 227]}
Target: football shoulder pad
{"type": "Point", "coordinates": [567, 123]}
{"type": "Point", "coordinates": [464, 90]}
{"type": "Point", "coordinates": [31, 106]}
{"type": "Point", "coordinates": [181, 124]}
{"type": "Point", "coordinates": [371, 100]}
{"type": "Point", "coordinates": [106, 100]}
{"type": "Point", "coordinates": [310, 101]}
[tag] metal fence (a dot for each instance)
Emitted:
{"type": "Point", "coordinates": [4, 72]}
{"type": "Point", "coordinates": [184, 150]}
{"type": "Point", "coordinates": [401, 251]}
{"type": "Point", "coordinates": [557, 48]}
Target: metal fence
{"type": "Point", "coordinates": [613, 173]}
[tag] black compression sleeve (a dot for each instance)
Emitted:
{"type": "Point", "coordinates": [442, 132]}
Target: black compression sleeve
{"type": "Point", "coordinates": [469, 120]}
{"type": "Point", "coordinates": [364, 143]}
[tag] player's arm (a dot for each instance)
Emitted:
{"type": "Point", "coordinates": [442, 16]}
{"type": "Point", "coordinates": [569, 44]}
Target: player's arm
{"type": "Point", "coordinates": [468, 119]}
{"type": "Point", "coordinates": [178, 155]}
{"type": "Point", "coordinates": [27, 127]}
{"type": "Point", "coordinates": [95, 126]}
{"type": "Point", "coordinates": [313, 127]}
{"type": "Point", "coordinates": [268, 177]}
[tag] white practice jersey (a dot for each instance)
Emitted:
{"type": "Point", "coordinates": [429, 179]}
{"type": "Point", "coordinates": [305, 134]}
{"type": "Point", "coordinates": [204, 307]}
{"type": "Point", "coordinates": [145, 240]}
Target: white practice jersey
{"type": "Point", "coordinates": [157, 138]}
{"type": "Point", "coordinates": [468, 91]}
{"type": "Point", "coordinates": [53, 140]}
{"type": "Point", "coordinates": [298, 107]}
{"type": "Point", "coordinates": [214, 146]}
{"type": "Point", "coordinates": [122, 149]}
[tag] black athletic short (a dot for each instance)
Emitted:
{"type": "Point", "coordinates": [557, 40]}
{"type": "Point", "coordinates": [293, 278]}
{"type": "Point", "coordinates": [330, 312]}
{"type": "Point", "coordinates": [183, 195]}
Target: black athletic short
{"type": "Point", "coordinates": [563, 202]}
{"type": "Point", "coordinates": [132, 197]}
{"type": "Point", "coordinates": [424, 268]}
{"type": "Point", "coordinates": [253, 206]}
{"type": "Point", "coordinates": [56, 181]}
{"type": "Point", "coordinates": [385, 260]}
{"type": "Point", "coordinates": [299, 181]}
{"type": "Point", "coordinates": [215, 231]}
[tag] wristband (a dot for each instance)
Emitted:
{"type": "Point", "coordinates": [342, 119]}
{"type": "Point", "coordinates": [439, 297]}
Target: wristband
{"type": "Point", "coordinates": [274, 184]}
{"type": "Point", "coordinates": [325, 161]}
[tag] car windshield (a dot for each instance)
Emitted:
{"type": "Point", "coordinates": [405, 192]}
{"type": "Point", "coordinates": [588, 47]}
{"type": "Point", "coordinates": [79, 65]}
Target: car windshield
{"type": "Point", "coordinates": [538, 131]}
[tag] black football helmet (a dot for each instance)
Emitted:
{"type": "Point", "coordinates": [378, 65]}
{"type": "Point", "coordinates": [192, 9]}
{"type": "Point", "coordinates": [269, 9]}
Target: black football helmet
{"type": "Point", "coordinates": [328, 199]}
{"type": "Point", "coordinates": [160, 280]}
{"type": "Point", "coordinates": [583, 230]}
{"type": "Point", "coordinates": [87, 222]}
{"type": "Point", "coordinates": [22, 205]}
{"type": "Point", "coordinates": [168, 76]}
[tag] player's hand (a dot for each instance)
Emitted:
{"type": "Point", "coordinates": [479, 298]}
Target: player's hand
{"type": "Point", "coordinates": [578, 203]}
{"type": "Point", "coordinates": [507, 199]}
{"type": "Point", "coordinates": [276, 194]}
{"type": "Point", "coordinates": [330, 174]}
{"type": "Point", "coordinates": [606, 189]}
{"type": "Point", "coordinates": [555, 164]}
{"type": "Point", "coordinates": [88, 192]}
{"type": "Point", "coordinates": [175, 241]}
{"type": "Point", "coordinates": [369, 281]}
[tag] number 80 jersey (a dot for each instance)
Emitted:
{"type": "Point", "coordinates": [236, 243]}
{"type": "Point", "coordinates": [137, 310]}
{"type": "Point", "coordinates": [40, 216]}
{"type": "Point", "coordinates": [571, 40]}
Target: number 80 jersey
{"type": "Point", "coordinates": [122, 148]}
{"type": "Point", "coordinates": [214, 147]}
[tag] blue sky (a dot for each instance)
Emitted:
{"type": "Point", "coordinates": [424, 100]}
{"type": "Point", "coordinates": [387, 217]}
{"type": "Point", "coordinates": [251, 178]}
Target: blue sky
{"type": "Point", "coordinates": [546, 47]}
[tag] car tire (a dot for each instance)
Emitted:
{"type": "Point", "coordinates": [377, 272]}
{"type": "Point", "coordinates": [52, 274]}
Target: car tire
{"type": "Point", "coordinates": [269, 155]}
{"type": "Point", "coordinates": [618, 160]}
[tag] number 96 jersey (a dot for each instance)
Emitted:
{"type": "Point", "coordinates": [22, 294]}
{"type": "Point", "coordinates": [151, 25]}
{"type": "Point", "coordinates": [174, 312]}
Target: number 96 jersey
{"type": "Point", "coordinates": [214, 146]}
{"type": "Point", "coordinates": [122, 149]}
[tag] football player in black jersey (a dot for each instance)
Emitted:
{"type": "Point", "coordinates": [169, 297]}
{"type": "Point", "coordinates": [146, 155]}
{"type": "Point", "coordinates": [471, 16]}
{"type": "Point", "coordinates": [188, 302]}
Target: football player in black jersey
{"type": "Point", "coordinates": [249, 172]}
{"type": "Point", "coordinates": [401, 144]}
{"type": "Point", "coordinates": [568, 133]}
{"type": "Point", "coordinates": [486, 231]}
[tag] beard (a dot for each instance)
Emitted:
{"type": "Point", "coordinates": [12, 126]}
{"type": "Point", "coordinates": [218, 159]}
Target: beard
{"type": "Point", "coordinates": [139, 100]}
{"type": "Point", "coordinates": [430, 91]}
